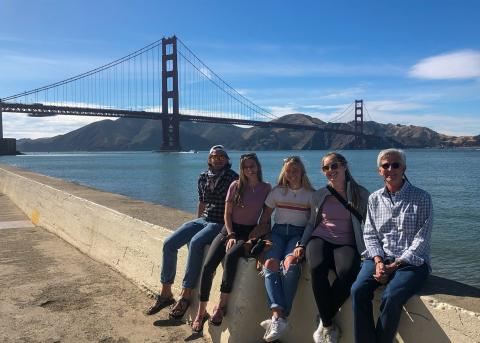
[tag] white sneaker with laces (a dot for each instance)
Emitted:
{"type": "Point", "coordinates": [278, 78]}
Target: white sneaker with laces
{"type": "Point", "coordinates": [331, 334]}
{"type": "Point", "coordinates": [266, 323]}
{"type": "Point", "coordinates": [318, 334]}
{"type": "Point", "coordinates": [277, 327]}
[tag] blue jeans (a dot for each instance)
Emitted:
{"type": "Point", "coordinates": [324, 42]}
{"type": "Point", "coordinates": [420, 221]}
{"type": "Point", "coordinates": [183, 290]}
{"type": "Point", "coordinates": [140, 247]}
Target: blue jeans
{"type": "Point", "coordinates": [281, 286]}
{"type": "Point", "coordinates": [197, 234]}
{"type": "Point", "coordinates": [404, 283]}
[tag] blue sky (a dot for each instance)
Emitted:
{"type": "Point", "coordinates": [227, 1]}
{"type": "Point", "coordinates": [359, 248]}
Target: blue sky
{"type": "Point", "coordinates": [413, 62]}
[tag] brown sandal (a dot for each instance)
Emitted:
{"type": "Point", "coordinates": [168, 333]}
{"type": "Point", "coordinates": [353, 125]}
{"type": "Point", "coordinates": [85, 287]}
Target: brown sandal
{"type": "Point", "coordinates": [202, 322]}
{"type": "Point", "coordinates": [179, 309]}
{"type": "Point", "coordinates": [159, 304]}
{"type": "Point", "coordinates": [217, 317]}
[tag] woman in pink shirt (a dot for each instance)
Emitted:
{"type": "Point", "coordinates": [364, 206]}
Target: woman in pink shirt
{"type": "Point", "coordinates": [243, 206]}
{"type": "Point", "coordinates": [333, 240]}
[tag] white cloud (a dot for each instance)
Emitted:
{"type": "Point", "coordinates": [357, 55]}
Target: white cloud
{"type": "Point", "coordinates": [459, 124]}
{"type": "Point", "coordinates": [19, 125]}
{"type": "Point", "coordinates": [304, 69]}
{"type": "Point", "coordinates": [464, 64]}
{"type": "Point", "coordinates": [394, 106]}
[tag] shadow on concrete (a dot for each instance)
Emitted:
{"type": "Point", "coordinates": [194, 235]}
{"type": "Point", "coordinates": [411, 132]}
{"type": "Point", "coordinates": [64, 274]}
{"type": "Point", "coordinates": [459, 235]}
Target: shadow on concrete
{"type": "Point", "coordinates": [438, 285]}
{"type": "Point", "coordinates": [168, 322]}
{"type": "Point", "coordinates": [194, 336]}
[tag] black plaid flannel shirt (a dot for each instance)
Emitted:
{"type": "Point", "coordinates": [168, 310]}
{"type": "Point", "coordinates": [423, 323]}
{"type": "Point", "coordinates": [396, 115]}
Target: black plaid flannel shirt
{"type": "Point", "coordinates": [215, 201]}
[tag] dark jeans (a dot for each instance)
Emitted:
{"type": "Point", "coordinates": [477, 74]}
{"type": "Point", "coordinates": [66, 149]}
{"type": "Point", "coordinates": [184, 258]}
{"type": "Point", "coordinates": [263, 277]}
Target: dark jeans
{"type": "Point", "coordinates": [345, 261]}
{"type": "Point", "coordinates": [404, 283]}
{"type": "Point", "coordinates": [215, 255]}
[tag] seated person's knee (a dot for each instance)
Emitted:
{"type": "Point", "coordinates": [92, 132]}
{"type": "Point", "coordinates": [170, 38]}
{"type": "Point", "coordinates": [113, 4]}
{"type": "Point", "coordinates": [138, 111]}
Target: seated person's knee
{"type": "Point", "coordinates": [272, 264]}
{"type": "Point", "coordinates": [289, 260]}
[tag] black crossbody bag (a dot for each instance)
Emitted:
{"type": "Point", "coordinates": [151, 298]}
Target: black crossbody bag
{"type": "Point", "coordinates": [345, 203]}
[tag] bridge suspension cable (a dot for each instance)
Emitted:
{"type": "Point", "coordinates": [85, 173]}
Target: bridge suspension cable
{"type": "Point", "coordinates": [127, 83]}
{"type": "Point", "coordinates": [134, 83]}
{"type": "Point", "coordinates": [368, 113]}
{"type": "Point", "coordinates": [342, 115]}
{"type": "Point", "coordinates": [205, 93]}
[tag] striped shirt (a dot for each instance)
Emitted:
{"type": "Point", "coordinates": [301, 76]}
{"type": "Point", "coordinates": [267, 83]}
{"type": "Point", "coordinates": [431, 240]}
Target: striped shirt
{"type": "Point", "coordinates": [399, 225]}
{"type": "Point", "coordinates": [291, 206]}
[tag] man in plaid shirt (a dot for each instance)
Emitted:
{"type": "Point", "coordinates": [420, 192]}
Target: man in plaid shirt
{"type": "Point", "coordinates": [397, 236]}
{"type": "Point", "coordinates": [212, 190]}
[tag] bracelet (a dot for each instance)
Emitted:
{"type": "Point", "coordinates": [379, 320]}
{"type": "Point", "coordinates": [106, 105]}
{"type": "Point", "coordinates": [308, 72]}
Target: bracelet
{"type": "Point", "coordinates": [231, 235]}
{"type": "Point", "coordinates": [381, 261]}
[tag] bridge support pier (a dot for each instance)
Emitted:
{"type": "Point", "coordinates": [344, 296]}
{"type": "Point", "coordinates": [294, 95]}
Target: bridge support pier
{"type": "Point", "coordinates": [170, 101]}
{"type": "Point", "coordinates": [359, 141]}
{"type": "Point", "coordinates": [8, 146]}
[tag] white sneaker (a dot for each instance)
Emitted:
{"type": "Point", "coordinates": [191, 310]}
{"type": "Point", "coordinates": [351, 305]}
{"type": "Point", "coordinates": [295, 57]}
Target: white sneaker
{"type": "Point", "coordinates": [331, 334]}
{"type": "Point", "coordinates": [277, 327]}
{"type": "Point", "coordinates": [266, 323]}
{"type": "Point", "coordinates": [318, 334]}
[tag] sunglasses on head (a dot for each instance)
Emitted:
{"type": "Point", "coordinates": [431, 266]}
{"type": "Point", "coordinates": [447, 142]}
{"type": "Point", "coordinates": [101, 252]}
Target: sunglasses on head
{"type": "Point", "coordinates": [291, 159]}
{"type": "Point", "coordinates": [218, 157]}
{"type": "Point", "coordinates": [394, 165]}
{"type": "Point", "coordinates": [249, 155]}
{"type": "Point", "coordinates": [331, 166]}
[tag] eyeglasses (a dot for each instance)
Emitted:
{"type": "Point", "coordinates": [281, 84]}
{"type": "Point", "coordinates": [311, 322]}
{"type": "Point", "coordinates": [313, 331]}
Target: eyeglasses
{"type": "Point", "coordinates": [218, 157]}
{"type": "Point", "coordinates": [249, 155]}
{"type": "Point", "coordinates": [331, 166]}
{"type": "Point", "coordinates": [394, 165]}
{"type": "Point", "coordinates": [292, 159]}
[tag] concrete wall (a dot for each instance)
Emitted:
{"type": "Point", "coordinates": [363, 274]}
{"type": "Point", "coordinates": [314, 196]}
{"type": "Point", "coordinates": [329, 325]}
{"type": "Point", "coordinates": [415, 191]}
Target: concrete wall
{"type": "Point", "coordinates": [127, 235]}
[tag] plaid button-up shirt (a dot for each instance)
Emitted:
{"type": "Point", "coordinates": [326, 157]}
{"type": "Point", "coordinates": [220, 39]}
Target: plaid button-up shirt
{"type": "Point", "coordinates": [215, 200]}
{"type": "Point", "coordinates": [399, 225]}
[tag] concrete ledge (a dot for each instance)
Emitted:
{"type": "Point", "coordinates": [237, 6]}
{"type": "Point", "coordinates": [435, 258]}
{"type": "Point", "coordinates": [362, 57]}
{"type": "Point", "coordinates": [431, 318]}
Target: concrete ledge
{"type": "Point", "coordinates": [127, 235]}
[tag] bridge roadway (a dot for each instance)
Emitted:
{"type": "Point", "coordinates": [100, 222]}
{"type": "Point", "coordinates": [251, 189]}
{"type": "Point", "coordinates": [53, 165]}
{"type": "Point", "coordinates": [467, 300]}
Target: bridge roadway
{"type": "Point", "coordinates": [39, 110]}
{"type": "Point", "coordinates": [51, 292]}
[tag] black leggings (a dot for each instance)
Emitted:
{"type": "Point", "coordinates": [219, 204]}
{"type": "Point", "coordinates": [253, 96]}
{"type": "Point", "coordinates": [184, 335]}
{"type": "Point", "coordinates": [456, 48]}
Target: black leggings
{"type": "Point", "coordinates": [345, 261]}
{"type": "Point", "coordinates": [215, 255]}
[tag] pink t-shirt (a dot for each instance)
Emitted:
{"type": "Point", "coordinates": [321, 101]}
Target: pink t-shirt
{"type": "Point", "coordinates": [336, 224]}
{"type": "Point", "coordinates": [253, 200]}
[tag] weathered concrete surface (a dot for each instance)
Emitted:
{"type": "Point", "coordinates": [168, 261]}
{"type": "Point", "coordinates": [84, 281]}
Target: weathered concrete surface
{"type": "Point", "coordinates": [128, 234]}
{"type": "Point", "coordinates": [51, 292]}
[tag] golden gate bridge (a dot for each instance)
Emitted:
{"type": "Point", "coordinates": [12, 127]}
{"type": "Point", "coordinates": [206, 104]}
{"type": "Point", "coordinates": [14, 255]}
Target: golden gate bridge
{"type": "Point", "coordinates": [163, 81]}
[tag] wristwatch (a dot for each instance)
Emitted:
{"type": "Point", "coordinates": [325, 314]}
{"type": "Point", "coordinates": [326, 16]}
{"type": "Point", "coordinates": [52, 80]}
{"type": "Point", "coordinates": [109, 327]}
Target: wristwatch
{"type": "Point", "coordinates": [299, 245]}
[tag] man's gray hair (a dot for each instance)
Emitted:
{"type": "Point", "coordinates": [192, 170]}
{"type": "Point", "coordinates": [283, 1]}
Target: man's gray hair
{"type": "Point", "coordinates": [392, 151]}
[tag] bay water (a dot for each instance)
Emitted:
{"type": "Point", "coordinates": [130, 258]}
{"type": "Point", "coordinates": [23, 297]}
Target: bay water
{"type": "Point", "coordinates": [452, 177]}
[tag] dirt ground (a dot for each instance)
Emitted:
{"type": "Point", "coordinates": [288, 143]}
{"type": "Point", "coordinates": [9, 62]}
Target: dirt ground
{"type": "Point", "coordinates": [50, 292]}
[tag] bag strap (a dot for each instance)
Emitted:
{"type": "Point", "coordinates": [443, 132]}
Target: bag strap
{"type": "Point", "coordinates": [346, 204]}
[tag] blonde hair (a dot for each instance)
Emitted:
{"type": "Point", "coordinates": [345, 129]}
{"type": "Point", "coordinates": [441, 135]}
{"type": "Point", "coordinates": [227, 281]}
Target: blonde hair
{"type": "Point", "coordinates": [242, 179]}
{"type": "Point", "coordinates": [354, 188]}
{"type": "Point", "coordinates": [282, 180]}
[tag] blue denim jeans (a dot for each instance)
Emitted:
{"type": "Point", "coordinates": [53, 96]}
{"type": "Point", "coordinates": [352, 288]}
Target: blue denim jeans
{"type": "Point", "coordinates": [281, 286]}
{"type": "Point", "coordinates": [197, 234]}
{"type": "Point", "coordinates": [404, 283]}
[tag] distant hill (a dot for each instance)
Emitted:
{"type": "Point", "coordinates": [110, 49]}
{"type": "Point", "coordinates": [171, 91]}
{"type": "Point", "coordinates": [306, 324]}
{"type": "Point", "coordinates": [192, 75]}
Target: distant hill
{"type": "Point", "coordinates": [144, 134]}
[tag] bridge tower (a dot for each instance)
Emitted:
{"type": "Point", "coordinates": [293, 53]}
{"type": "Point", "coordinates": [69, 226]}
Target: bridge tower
{"type": "Point", "coordinates": [8, 146]}
{"type": "Point", "coordinates": [359, 124]}
{"type": "Point", "coordinates": [170, 102]}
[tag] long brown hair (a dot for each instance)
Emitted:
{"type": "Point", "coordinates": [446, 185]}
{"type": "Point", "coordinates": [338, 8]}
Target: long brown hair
{"type": "Point", "coordinates": [353, 185]}
{"type": "Point", "coordinates": [282, 180]}
{"type": "Point", "coordinates": [242, 179]}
